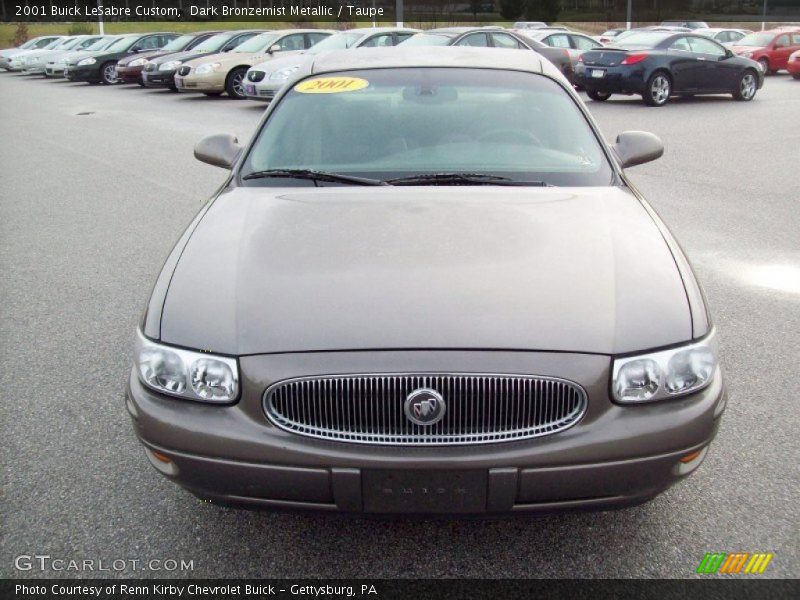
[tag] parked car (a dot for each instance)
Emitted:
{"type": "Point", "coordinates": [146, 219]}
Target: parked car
{"type": "Point", "coordinates": [221, 73]}
{"type": "Point", "coordinates": [54, 67]}
{"type": "Point", "coordinates": [33, 44]}
{"type": "Point", "coordinates": [420, 283]}
{"type": "Point", "coordinates": [560, 57]}
{"type": "Point", "coordinates": [34, 62]}
{"type": "Point", "coordinates": [130, 68]}
{"type": "Point", "coordinates": [17, 62]}
{"type": "Point", "coordinates": [770, 48]}
{"type": "Point", "coordinates": [529, 25]}
{"type": "Point", "coordinates": [574, 43]}
{"type": "Point", "coordinates": [100, 66]}
{"type": "Point", "coordinates": [609, 35]}
{"type": "Point", "coordinates": [264, 80]}
{"type": "Point", "coordinates": [160, 72]}
{"type": "Point", "coordinates": [793, 65]}
{"type": "Point", "coordinates": [686, 24]}
{"type": "Point", "coordinates": [659, 65]}
{"type": "Point", "coordinates": [722, 35]}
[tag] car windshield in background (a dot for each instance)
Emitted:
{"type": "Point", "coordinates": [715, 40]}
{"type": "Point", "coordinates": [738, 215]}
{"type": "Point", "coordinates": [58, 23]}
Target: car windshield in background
{"type": "Point", "coordinates": [257, 43]}
{"type": "Point", "coordinates": [643, 39]}
{"type": "Point", "coordinates": [214, 43]}
{"type": "Point", "coordinates": [427, 39]}
{"type": "Point", "coordinates": [337, 41]}
{"type": "Point", "coordinates": [385, 124]}
{"type": "Point", "coordinates": [177, 43]}
{"type": "Point", "coordinates": [756, 40]}
{"type": "Point", "coordinates": [121, 44]}
{"type": "Point", "coordinates": [103, 44]}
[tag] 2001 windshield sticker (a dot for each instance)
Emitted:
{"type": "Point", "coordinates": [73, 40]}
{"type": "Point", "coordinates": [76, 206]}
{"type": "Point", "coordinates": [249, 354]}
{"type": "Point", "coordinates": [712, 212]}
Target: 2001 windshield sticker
{"type": "Point", "coordinates": [331, 85]}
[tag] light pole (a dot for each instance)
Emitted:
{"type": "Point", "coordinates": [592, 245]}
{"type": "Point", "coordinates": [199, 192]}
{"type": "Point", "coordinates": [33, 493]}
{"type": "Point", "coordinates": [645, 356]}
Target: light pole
{"type": "Point", "coordinates": [630, 12]}
{"type": "Point", "coordinates": [764, 18]}
{"type": "Point", "coordinates": [100, 18]}
{"type": "Point", "coordinates": [398, 7]}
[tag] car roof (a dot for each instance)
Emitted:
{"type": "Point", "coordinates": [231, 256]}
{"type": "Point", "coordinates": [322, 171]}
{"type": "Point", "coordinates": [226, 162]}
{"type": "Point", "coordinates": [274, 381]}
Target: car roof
{"type": "Point", "coordinates": [421, 56]}
{"type": "Point", "coordinates": [460, 30]}
{"type": "Point", "coordinates": [366, 30]}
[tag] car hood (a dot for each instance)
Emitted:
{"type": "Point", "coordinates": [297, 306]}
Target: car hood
{"type": "Point", "coordinates": [128, 59]}
{"type": "Point", "coordinates": [182, 55]}
{"type": "Point", "coordinates": [343, 268]}
{"type": "Point", "coordinates": [741, 49]}
{"type": "Point", "coordinates": [285, 61]}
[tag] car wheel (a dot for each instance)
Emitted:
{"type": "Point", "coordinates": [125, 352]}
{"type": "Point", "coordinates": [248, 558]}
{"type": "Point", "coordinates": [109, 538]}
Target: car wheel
{"type": "Point", "coordinates": [598, 96]}
{"type": "Point", "coordinates": [765, 66]}
{"type": "Point", "coordinates": [658, 89]}
{"type": "Point", "coordinates": [234, 84]}
{"type": "Point", "coordinates": [108, 73]}
{"type": "Point", "coordinates": [796, 75]}
{"type": "Point", "coordinates": [748, 85]}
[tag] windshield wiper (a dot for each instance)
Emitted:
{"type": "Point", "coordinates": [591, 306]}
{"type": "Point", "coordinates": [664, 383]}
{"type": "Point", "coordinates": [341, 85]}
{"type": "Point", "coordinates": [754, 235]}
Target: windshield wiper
{"type": "Point", "coordinates": [313, 176]}
{"type": "Point", "coordinates": [460, 179]}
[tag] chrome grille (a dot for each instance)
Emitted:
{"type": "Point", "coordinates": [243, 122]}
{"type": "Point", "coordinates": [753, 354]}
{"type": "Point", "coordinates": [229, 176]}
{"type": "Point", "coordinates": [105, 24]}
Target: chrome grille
{"type": "Point", "coordinates": [369, 409]}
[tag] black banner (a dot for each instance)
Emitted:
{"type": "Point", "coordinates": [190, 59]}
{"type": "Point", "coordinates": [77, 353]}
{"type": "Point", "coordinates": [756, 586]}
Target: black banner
{"type": "Point", "coordinates": [383, 589]}
{"type": "Point", "coordinates": [390, 11]}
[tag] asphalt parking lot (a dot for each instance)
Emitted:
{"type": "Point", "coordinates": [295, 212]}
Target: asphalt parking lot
{"type": "Point", "coordinates": [97, 183]}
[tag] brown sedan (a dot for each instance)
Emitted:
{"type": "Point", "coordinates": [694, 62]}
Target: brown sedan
{"type": "Point", "coordinates": [427, 286]}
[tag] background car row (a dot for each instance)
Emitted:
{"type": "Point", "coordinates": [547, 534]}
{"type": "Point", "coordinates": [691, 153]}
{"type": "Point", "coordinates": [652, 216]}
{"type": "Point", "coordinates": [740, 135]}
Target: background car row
{"type": "Point", "coordinates": [690, 57]}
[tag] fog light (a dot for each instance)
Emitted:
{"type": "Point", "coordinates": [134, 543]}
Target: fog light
{"type": "Point", "coordinates": [689, 462]}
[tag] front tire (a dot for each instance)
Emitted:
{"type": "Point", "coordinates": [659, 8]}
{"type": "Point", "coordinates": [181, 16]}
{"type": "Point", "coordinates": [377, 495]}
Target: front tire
{"type": "Point", "coordinates": [598, 96]}
{"type": "Point", "coordinates": [107, 73]}
{"type": "Point", "coordinates": [764, 62]}
{"type": "Point", "coordinates": [658, 89]}
{"type": "Point", "coordinates": [748, 86]}
{"type": "Point", "coordinates": [234, 85]}
{"type": "Point", "coordinates": [796, 75]}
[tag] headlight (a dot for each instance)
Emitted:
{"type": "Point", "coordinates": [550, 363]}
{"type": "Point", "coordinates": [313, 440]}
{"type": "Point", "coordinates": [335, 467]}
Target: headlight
{"type": "Point", "coordinates": [170, 66]}
{"type": "Point", "coordinates": [207, 68]}
{"type": "Point", "coordinates": [664, 374]}
{"type": "Point", "coordinates": [187, 374]}
{"type": "Point", "coordinates": [138, 62]}
{"type": "Point", "coordinates": [87, 61]}
{"type": "Point", "coordinates": [283, 74]}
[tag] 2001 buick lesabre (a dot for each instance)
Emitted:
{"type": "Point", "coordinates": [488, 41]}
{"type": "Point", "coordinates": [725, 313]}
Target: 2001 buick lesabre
{"type": "Point", "coordinates": [427, 286]}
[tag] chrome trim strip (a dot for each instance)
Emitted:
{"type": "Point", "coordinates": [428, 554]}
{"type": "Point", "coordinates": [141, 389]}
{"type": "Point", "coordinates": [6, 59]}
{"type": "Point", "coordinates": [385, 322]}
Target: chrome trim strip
{"type": "Point", "coordinates": [547, 405]}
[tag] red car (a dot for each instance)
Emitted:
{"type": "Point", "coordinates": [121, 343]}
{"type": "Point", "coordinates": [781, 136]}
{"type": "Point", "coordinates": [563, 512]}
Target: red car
{"type": "Point", "coordinates": [770, 48]}
{"type": "Point", "coordinates": [793, 66]}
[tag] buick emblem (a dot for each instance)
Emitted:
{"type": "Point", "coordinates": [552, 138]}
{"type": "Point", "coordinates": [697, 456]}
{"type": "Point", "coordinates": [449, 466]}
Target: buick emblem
{"type": "Point", "coordinates": [424, 406]}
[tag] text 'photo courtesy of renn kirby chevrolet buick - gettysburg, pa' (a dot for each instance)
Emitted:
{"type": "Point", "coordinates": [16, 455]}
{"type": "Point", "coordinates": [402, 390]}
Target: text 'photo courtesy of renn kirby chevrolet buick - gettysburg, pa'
{"type": "Point", "coordinates": [497, 290]}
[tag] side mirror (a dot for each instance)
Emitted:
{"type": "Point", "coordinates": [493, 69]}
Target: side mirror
{"type": "Point", "coordinates": [637, 147]}
{"type": "Point", "coordinates": [219, 150]}
{"type": "Point", "coordinates": [274, 48]}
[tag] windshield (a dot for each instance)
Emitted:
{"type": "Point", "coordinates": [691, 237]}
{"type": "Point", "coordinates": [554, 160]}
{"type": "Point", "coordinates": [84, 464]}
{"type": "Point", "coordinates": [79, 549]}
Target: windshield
{"type": "Point", "coordinates": [179, 43]}
{"type": "Point", "coordinates": [257, 44]}
{"type": "Point", "coordinates": [66, 44]}
{"type": "Point", "coordinates": [756, 39]}
{"type": "Point", "coordinates": [337, 41]}
{"type": "Point", "coordinates": [53, 44]}
{"type": "Point", "coordinates": [45, 43]}
{"type": "Point", "coordinates": [215, 42]}
{"type": "Point", "coordinates": [88, 43]}
{"type": "Point", "coordinates": [417, 121]}
{"type": "Point", "coordinates": [644, 39]}
{"type": "Point", "coordinates": [427, 39]}
{"type": "Point", "coordinates": [121, 44]}
{"type": "Point", "coordinates": [103, 43]}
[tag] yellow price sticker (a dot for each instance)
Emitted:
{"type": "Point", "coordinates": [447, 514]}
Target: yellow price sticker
{"type": "Point", "coordinates": [331, 85]}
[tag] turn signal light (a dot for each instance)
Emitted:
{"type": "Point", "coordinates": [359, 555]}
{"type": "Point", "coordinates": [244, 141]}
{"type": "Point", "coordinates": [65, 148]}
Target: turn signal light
{"type": "Point", "coordinates": [166, 459]}
{"type": "Point", "coordinates": [632, 59]}
{"type": "Point", "coordinates": [690, 457]}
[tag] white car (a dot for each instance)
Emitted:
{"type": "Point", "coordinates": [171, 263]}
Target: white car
{"type": "Point", "coordinates": [32, 44]}
{"type": "Point", "coordinates": [56, 62]}
{"type": "Point", "coordinates": [263, 80]}
{"type": "Point", "coordinates": [15, 59]}
{"type": "Point", "coordinates": [723, 35]}
{"type": "Point", "coordinates": [34, 62]}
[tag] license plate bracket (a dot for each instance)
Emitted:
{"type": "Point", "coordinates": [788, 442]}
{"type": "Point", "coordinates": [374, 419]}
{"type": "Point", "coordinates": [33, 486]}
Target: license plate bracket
{"type": "Point", "coordinates": [598, 73]}
{"type": "Point", "coordinates": [416, 491]}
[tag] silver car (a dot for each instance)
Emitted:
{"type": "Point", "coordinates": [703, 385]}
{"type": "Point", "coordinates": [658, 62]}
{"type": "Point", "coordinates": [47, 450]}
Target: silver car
{"type": "Point", "coordinates": [56, 62]}
{"type": "Point", "coordinates": [35, 63]}
{"type": "Point", "coordinates": [263, 80]}
{"type": "Point", "coordinates": [33, 44]}
{"type": "Point", "coordinates": [17, 62]}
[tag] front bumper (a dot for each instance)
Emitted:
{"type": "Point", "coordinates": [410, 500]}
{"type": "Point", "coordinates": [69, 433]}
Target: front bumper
{"type": "Point", "coordinates": [260, 91]}
{"type": "Point", "coordinates": [36, 69]}
{"type": "Point", "coordinates": [793, 67]}
{"type": "Point", "coordinates": [54, 69]}
{"type": "Point", "coordinates": [129, 74]}
{"type": "Point", "coordinates": [89, 73]}
{"type": "Point", "coordinates": [615, 456]}
{"type": "Point", "coordinates": [192, 83]}
{"type": "Point", "coordinates": [616, 80]}
{"type": "Point", "coordinates": [158, 79]}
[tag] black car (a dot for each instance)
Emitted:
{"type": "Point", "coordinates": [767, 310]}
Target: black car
{"type": "Point", "coordinates": [160, 72]}
{"type": "Point", "coordinates": [658, 65]}
{"type": "Point", "coordinates": [100, 66]}
{"type": "Point", "coordinates": [129, 68]}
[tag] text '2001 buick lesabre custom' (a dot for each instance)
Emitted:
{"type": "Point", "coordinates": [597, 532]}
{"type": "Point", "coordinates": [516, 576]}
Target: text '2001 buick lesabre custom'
{"type": "Point", "coordinates": [427, 287]}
